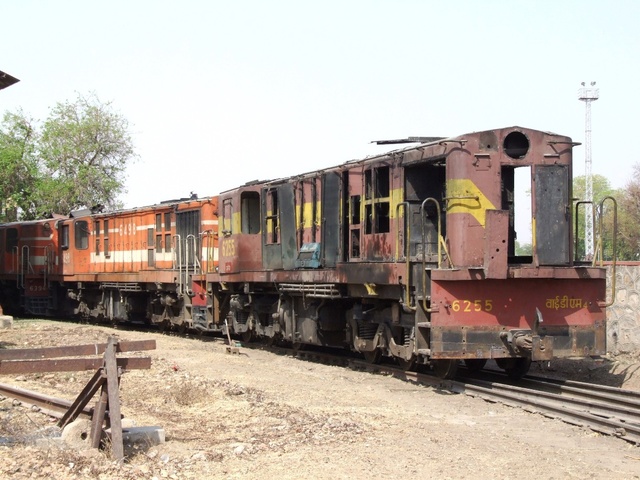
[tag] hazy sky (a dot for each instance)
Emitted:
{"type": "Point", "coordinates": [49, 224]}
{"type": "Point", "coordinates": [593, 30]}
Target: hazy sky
{"type": "Point", "coordinates": [221, 93]}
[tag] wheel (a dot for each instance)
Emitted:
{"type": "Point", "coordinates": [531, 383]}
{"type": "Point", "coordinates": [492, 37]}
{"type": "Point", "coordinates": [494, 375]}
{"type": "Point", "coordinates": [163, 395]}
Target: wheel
{"type": "Point", "coordinates": [515, 368]}
{"type": "Point", "coordinates": [446, 369]}
{"type": "Point", "coordinates": [298, 346]}
{"type": "Point", "coordinates": [475, 364]}
{"type": "Point", "coordinates": [182, 328]}
{"type": "Point", "coordinates": [247, 336]}
{"type": "Point", "coordinates": [163, 326]}
{"type": "Point", "coordinates": [271, 341]}
{"type": "Point", "coordinates": [373, 356]}
{"type": "Point", "coordinates": [406, 365]}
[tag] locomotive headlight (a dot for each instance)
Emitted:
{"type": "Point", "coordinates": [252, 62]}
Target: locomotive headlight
{"type": "Point", "coordinates": [516, 145]}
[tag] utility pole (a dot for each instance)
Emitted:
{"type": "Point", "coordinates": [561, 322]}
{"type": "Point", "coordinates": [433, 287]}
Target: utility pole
{"type": "Point", "coordinates": [587, 95]}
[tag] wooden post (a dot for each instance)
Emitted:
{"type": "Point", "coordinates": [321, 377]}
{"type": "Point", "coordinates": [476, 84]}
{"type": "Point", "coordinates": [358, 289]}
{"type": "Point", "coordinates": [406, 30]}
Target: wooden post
{"type": "Point", "coordinates": [98, 417]}
{"type": "Point", "coordinates": [113, 392]}
{"type": "Point", "coordinates": [106, 379]}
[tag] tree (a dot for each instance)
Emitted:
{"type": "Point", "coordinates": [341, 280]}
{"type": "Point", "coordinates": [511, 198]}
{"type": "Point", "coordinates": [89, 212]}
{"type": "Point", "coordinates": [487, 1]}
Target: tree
{"type": "Point", "coordinates": [77, 159]}
{"type": "Point", "coordinates": [629, 219]}
{"type": "Point", "coordinates": [85, 147]}
{"type": "Point", "coordinates": [18, 164]}
{"type": "Point", "coordinates": [524, 249]}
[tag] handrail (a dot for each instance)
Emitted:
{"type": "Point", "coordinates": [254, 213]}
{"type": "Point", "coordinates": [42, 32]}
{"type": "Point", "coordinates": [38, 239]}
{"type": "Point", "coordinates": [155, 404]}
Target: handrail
{"type": "Point", "coordinates": [424, 246]}
{"type": "Point", "coordinates": [47, 266]}
{"type": "Point", "coordinates": [613, 244]}
{"type": "Point", "coordinates": [407, 246]}
{"type": "Point", "coordinates": [27, 264]}
{"type": "Point", "coordinates": [576, 236]}
{"type": "Point", "coordinates": [408, 236]}
{"type": "Point", "coordinates": [177, 259]}
{"type": "Point", "coordinates": [15, 263]}
{"type": "Point", "coordinates": [207, 240]}
{"type": "Point", "coordinates": [191, 241]}
{"type": "Point", "coordinates": [190, 246]}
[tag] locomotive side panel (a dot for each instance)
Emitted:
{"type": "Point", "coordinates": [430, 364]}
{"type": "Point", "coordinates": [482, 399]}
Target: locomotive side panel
{"type": "Point", "coordinates": [240, 232]}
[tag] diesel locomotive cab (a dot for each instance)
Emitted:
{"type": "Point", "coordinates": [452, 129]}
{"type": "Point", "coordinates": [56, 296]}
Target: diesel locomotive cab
{"type": "Point", "coordinates": [492, 303]}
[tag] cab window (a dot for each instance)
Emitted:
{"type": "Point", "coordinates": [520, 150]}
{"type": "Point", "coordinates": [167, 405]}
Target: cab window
{"type": "Point", "coordinates": [82, 234]}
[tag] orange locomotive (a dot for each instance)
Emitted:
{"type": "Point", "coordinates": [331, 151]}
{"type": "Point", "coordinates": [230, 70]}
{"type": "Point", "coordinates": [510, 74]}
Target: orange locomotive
{"type": "Point", "coordinates": [143, 264]}
{"type": "Point", "coordinates": [28, 259]}
{"type": "Point", "coordinates": [412, 255]}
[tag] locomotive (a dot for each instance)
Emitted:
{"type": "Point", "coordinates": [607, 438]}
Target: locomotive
{"type": "Point", "coordinates": [125, 266]}
{"type": "Point", "coordinates": [410, 254]}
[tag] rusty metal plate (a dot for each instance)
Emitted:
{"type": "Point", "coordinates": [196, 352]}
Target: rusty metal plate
{"type": "Point", "coordinates": [542, 348]}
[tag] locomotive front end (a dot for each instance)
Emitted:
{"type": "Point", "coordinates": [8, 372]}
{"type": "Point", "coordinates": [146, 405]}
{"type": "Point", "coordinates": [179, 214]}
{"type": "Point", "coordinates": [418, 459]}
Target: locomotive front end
{"type": "Point", "coordinates": [494, 303]}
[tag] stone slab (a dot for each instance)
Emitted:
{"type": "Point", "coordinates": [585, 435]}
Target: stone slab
{"type": "Point", "coordinates": [6, 321]}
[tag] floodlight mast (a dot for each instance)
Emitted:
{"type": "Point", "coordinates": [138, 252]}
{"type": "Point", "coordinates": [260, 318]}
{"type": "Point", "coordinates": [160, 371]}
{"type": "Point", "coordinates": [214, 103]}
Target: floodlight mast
{"type": "Point", "coordinates": [588, 94]}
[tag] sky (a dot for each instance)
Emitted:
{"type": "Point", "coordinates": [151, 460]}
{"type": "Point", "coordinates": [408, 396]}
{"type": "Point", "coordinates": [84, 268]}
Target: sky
{"type": "Point", "coordinates": [221, 93]}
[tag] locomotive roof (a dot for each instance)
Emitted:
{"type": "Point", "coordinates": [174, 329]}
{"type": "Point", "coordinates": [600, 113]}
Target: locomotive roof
{"type": "Point", "coordinates": [163, 204]}
{"type": "Point", "coordinates": [417, 142]}
{"type": "Point", "coordinates": [54, 218]}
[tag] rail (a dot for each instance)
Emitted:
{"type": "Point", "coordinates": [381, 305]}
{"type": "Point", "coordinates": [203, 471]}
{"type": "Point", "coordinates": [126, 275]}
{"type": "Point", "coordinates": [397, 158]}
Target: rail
{"type": "Point", "coordinates": [441, 246]}
{"type": "Point", "coordinates": [576, 234]}
{"type": "Point", "coordinates": [608, 410]}
{"type": "Point", "coordinates": [191, 253]}
{"type": "Point", "coordinates": [600, 247]}
{"type": "Point", "coordinates": [177, 259]}
{"type": "Point", "coordinates": [208, 245]}
{"type": "Point", "coordinates": [407, 256]}
{"type": "Point", "coordinates": [52, 406]}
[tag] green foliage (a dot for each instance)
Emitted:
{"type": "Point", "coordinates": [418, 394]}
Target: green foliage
{"type": "Point", "coordinates": [524, 249]}
{"type": "Point", "coordinates": [601, 189]}
{"type": "Point", "coordinates": [77, 159]}
{"type": "Point", "coordinates": [629, 219]}
{"type": "Point", "coordinates": [18, 164]}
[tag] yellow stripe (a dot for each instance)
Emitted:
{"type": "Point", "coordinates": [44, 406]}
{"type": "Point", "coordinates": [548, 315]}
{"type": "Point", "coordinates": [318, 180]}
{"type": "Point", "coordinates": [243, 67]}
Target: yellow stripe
{"type": "Point", "coordinates": [236, 223]}
{"type": "Point", "coordinates": [533, 234]}
{"type": "Point", "coordinates": [269, 223]}
{"type": "Point", "coordinates": [308, 214]}
{"type": "Point", "coordinates": [397, 196]}
{"type": "Point", "coordinates": [465, 197]}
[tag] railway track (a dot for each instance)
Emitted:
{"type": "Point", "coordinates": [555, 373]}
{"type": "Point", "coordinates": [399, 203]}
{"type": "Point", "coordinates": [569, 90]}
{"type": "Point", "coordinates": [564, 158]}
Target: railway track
{"type": "Point", "coordinates": [607, 410]}
{"type": "Point", "coordinates": [52, 406]}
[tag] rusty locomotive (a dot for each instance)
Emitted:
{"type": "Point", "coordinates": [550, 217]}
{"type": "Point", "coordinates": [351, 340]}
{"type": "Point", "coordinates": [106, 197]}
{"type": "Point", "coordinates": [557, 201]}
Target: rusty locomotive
{"type": "Point", "coordinates": [411, 254]}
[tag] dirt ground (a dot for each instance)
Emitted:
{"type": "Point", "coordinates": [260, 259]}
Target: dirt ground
{"type": "Point", "coordinates": [259, 415]}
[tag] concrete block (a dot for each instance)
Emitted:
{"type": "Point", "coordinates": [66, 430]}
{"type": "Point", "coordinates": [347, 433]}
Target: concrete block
{"type": "Point", "coordinates": [6, 321]}
{"type": "Point", "coordinates": [140, 439]}
{"type": "Point", "coordinates": [143, 435]}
